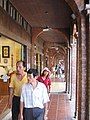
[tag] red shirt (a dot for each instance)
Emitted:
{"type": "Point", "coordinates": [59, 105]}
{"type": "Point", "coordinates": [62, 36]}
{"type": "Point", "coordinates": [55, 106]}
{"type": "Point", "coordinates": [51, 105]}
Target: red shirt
{"type": "Point", "coordinates": [46, 81]}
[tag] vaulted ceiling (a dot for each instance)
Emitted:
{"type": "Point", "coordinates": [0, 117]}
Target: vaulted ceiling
{"type": "Point", "coordinates": [55, 14]}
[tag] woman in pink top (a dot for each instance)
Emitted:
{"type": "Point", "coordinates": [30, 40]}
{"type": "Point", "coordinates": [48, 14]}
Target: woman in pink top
{"type": "Point", "coordinates": [44, 78]}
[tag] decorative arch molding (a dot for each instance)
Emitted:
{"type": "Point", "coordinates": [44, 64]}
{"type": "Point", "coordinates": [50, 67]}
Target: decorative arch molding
{"type": "Point", "coordinates": [59, 56]}
{"type": "Point", "coordinates": [36, 32]}
{"type": "Point", "coordinates": [60, 47]}
{"type": "Point", "coordinates": [55, 57]}
{"type": "Point", "coordinates": [53, 54]}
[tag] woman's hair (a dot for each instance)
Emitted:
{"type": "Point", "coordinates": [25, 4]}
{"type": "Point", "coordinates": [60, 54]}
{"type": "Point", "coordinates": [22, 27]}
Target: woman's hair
{"type": "Point", "coordinates": [42, 74]}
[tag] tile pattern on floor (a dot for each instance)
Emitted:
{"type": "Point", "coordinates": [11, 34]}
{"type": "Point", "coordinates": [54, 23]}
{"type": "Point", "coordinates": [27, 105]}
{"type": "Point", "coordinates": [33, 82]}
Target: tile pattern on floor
{"type": "Point", "coordinates": [59, 107]}
{"type": "Point", "coordinates": [3, 103]}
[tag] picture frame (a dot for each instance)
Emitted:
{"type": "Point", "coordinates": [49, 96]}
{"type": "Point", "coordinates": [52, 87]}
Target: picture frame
{"type": "Point", "coordinates": [5, 51]}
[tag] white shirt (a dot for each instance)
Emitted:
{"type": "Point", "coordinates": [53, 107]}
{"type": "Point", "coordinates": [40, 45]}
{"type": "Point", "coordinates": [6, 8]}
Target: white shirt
{"type": "Point", "coordinates": [34, 97]}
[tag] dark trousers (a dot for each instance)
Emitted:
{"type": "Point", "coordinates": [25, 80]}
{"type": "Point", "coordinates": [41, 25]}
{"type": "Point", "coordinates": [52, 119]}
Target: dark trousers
{"type": "Point", "coordinates": [34, 114]}
{"type": "Point", "coordinates": [15, 107]}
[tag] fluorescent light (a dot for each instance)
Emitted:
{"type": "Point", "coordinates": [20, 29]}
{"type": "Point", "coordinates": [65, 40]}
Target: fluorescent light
{"type": "Point", "coordinates": [46, 29]}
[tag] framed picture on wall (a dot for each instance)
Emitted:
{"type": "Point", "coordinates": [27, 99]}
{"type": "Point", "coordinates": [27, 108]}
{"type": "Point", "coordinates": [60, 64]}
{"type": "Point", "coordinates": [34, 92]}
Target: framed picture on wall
{"type": "Point", "coordinates": [5, 51]}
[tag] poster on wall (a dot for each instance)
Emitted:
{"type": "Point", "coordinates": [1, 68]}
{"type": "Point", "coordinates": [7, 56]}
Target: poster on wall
{"type": "Point", "coordinates": [5, 51]}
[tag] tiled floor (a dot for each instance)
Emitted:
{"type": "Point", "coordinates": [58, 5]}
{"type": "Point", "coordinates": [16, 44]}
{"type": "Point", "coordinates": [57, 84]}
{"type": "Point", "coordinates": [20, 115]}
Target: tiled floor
{"type": "Point", "coordinates": [59, 106]}
{"type": "Point", "coordinates": [3, 103]}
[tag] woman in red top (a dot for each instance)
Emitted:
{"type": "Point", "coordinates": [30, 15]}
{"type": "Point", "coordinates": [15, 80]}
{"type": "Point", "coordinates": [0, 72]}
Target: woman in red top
{"type": "Point", "coordinates": [44, 78]}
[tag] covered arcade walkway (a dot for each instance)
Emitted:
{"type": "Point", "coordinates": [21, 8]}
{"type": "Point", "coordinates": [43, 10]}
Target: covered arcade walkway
{"type": "Point", "coordinates": [48, 33]}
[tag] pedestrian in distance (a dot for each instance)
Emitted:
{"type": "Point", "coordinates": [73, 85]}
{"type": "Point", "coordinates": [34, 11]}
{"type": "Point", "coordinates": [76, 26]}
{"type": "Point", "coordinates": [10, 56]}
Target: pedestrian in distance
{"type": "Point", "coordinates": [45, 78]}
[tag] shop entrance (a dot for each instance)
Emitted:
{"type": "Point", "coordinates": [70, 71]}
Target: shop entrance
{"type": "Point", "coordinates": [10, 53]}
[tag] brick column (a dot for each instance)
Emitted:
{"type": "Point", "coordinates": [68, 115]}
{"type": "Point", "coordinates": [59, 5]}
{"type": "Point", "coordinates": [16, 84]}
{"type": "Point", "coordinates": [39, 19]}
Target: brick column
{"type": "Point", "coordinates": [82, 110]}
{"type": "Point", "coordinates": [89, 65]}
{"type": "Point", "coordinates": [77, 77]}
{"type": "Point", "coordinates": [67, 71]}
{"type": "Point", "coordinates": [70, 77]}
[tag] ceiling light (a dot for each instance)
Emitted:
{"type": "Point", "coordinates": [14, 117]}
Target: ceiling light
{"type": "Point", "coordinates": [54, 47]}
{"type": "Point", "coordinates": [46, 28]}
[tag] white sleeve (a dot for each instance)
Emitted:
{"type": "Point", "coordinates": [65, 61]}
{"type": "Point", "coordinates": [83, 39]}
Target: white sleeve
{"type": "Point", "coordinates": [45, 95]}
{"type": "Point", "coordinates": [22, 94]}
